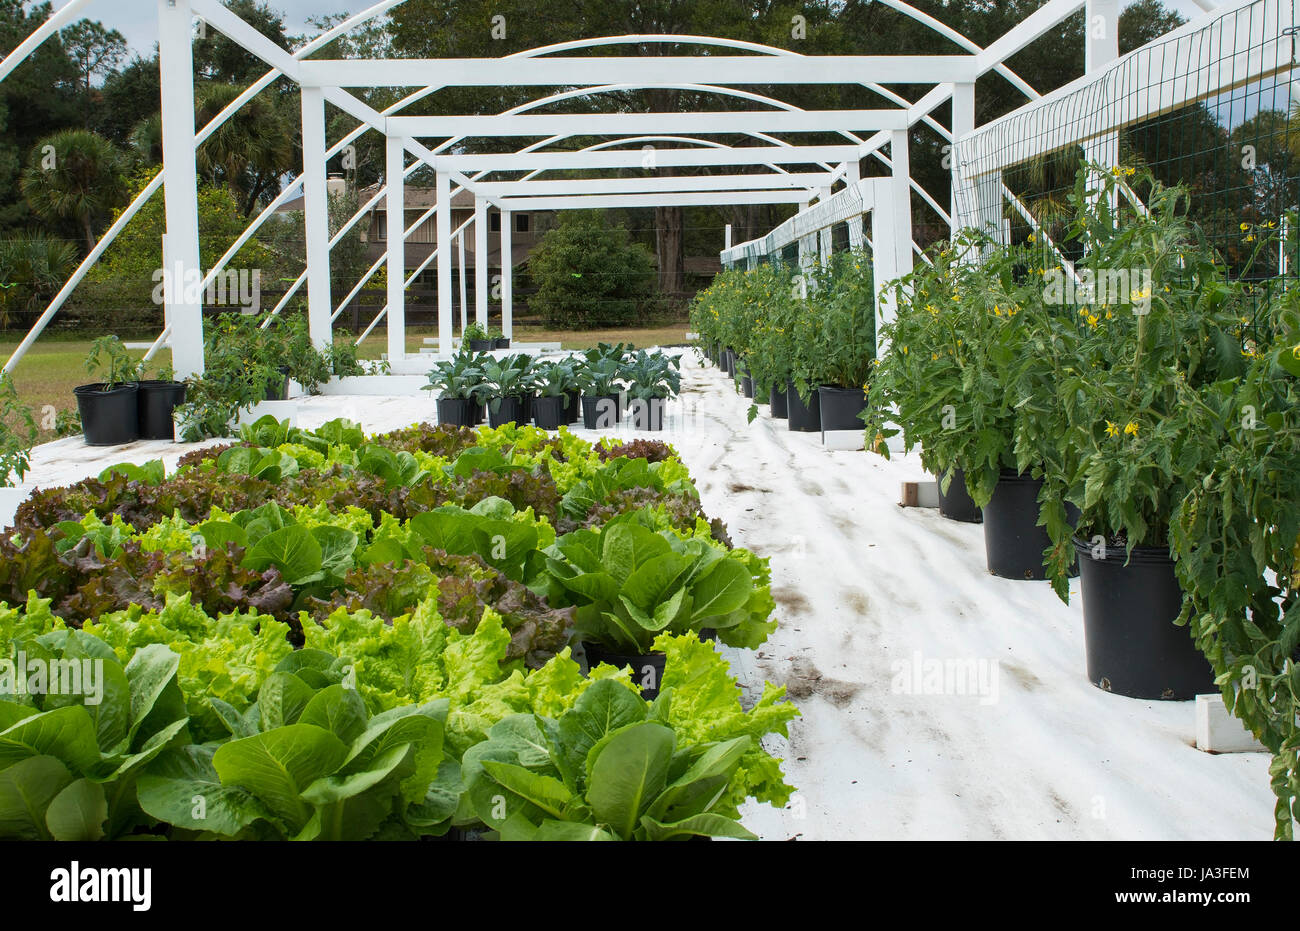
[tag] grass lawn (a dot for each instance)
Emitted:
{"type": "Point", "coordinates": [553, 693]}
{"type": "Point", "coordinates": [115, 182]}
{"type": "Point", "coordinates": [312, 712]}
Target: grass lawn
{"type": "Point", "coordinates": [55, 364]}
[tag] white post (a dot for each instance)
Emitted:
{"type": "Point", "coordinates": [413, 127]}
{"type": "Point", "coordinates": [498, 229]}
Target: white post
{"type": "Point", "coordinates": [1101, 47]}
{"type": "Point", "coordinates": [963, 122]}
{"type": "Point", "coordinates": [884, 267]}
{"type": "Point", "coordinates": [507, 276]}
{"type": "Point", "coordinates": [899, 236]}
{"type": "Point", "coordinates": [726, 237]}
{"type": "Point", "coordinates": [460, 275]}
{"type": "Point", "coordinates": [315, 200]}
{"type": "Point", "coordinates": [396, 219]}
{"type": "Point", "coordinates": [445, 320]}
{"type": "Point", "coordinates": [1102, 34]}
{"type": "Point", "coordinates": [481, 261]}
{"type": "Point", "coordinates": [180, 192]}
{"type": "Point", "coordinates": [853, 175]}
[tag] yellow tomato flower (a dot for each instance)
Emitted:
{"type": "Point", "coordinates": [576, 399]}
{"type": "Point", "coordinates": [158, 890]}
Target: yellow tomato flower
{"type": "Point", "coordinates": [1131, 428]}
{"type": "Point", "coordinates": [1111, 429]}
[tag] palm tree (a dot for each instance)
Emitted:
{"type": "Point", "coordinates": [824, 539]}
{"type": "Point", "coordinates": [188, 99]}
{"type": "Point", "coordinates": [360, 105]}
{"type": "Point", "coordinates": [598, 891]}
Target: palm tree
{"type": "Point", "coordinates": [32, 269]}
{"type": "Point", "coordinates": [74, 175]}
{"type": "Point", "coordinates": [251, 150]}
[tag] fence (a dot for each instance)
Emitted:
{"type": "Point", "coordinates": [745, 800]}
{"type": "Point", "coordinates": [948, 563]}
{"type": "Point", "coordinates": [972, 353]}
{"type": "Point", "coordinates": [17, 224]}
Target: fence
{"type": "Point", "coordinates": [1211, 106]}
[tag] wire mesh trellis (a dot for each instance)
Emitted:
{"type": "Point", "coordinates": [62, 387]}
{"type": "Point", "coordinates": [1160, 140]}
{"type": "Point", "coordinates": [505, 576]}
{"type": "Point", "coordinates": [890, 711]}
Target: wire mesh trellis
{"type": "Point", "coordinates": [1212, 107]}
{"type": "Point", "coordinates": [837, 213]}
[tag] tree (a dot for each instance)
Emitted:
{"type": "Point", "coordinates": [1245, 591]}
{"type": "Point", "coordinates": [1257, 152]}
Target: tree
{"type": "Point", "coordinates": [123, 281]}
{"type": "Point", "coordinates": [252, 149]}
{"type": "Point", "coordinates": [589, 274]}
{"type": "Point", "coordinates": [32, 270]}
{"type": "Point", "coordinates": [217, 58]}
{"type": "Point", "coordinates": [39, 97]}
{"type": "Point", "coordinates": [74, 175]}
{"type": "Point", "coordinates": [440, 28]}
{"type": "Point", "coordinates": [95, 50]}
{"type": "Point", "coordinates": [127, 97]}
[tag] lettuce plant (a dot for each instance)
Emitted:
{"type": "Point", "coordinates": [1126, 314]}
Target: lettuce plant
{"type": "Point", "coordinates": [611, 769]}
{"type": "Point", "coordinates": [631, 583]}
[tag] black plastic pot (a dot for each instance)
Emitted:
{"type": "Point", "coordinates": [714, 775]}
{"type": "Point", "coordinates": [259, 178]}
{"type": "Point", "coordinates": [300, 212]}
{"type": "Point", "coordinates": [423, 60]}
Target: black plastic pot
{"type": "Point", "coordinates": [599, 412]}
{"type": "Point", "coordinates": [647, 668]}
{"type": "Point", "coordinates": [802, 418]}
{"type": "Point", "coordinates": [502, 342]}
{"type": "Point", "coordinates": [549, 412]}
{"type": "Point", "coordinates": [1013, 541]}
{"type": "Point", "coordinates": [780, 409]}
{"type": "Point", "coordinates": [956, 504]}
{"type": "Point", "coordinates": [156, 403]}
{"type": "Point", "coordinates": [727, 362]}
{"type": "Point", "coordinates": [108, 418]}
{"type": "Point", "coordinates": [510, 410]}
{"type": "Point", "coordinates": [277, 388]}
{"type": "Point", "coordinates": [456, 412]}
{"type": "Point", "coordinates": [482, 345]}
{"type": "Point", "coordinates": [840, 408]}
{"type": "Point", "coordinates": [528, 400]}
{"type": "Point", "coordinates": [648, 414]}
{"type": "Point", "coordinates": [573, 410]}
{"type": "Point", "coordinates": [747, 386]}
{"type": "Point", "coordinates": [1133, 646]}
{"type": "Point", "coordinates": [478, 414]}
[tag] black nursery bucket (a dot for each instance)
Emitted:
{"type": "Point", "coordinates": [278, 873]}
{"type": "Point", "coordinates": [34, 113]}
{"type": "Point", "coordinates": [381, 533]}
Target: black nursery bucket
{"type": "Point", "coordinates": [549, 412]}
{"type": "Point", "coordinates": [511, 410]}
{"type": "Point", "coordinates": [156, 405]}
{"type": "Point", "coordinates": [1013, 541]}
{"type": "Point", "coordinates": [456, 412]}
{"type": "Point", "coordinates": [1133, 646]}
{"type": "Point", "coordinates": [600, 412]}
{"type": "Point", "coordinates": [956, 504]}
{"type": "Point", "coordinates": [840, 408]}
{"type": "Point", "coordinates": [647, 668]}
{"type": "Point", "coordinates": [647, 414]}
{"type": "Point", "coordinates": [108, 418]}
{"type": "Point", "coordinates": [780, 409]}
{"type": "Point", "coordinates": [802, 418]}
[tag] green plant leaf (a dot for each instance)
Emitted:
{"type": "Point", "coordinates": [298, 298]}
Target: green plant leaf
{"type": "Point", "coordinates": [628, 771]}
{"type": "Point", "coordinates": [78, 812]}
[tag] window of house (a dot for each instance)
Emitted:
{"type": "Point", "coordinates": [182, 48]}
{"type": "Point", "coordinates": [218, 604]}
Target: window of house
{"type": "Point", "coordinates": [521, 222]}
{"type": "Point", "coordinates": [381, 225]}
{"type": "Point", "coordinates": [494, 222]}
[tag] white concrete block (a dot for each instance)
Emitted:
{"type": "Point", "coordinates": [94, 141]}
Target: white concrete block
{"type": "Point", "coordinates": [10, 498]}
{"type": "Point", "coordinates": [1218, 731]}
{"type": "Point", "coordinates": [843, 439]}
{"type": "Point", "coordinates": [377, 385]}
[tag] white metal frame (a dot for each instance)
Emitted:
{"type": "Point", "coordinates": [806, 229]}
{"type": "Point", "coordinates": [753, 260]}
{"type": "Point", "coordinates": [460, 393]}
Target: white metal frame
{"type": "Point", "coordinates": [760, 144]}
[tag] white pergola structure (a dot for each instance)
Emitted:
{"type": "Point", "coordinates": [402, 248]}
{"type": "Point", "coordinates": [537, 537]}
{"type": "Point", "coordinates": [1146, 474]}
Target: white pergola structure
{"type": "Point", "coordinates": [768, 162]}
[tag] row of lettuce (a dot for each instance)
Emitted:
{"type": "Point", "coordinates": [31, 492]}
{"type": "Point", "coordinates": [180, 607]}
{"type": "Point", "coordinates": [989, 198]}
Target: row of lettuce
{"type": "Point", "coordinates": [323, 635]}
{"type": "Point", "coordinates": [1109, 355]}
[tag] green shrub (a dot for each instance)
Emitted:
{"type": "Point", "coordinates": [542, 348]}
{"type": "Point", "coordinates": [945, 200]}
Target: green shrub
{"type": "Point", "coordinates": [589, 274]}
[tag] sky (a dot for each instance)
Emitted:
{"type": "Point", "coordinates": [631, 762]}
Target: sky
{"type": "Point", "coordinates": [136, 19]}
